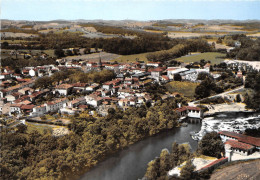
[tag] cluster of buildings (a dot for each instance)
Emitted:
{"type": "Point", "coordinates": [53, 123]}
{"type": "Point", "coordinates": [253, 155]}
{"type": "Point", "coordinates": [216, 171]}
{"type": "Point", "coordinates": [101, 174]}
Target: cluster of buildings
{"type": "Point", "coordinates": [18, 95]}
{"type": "Point", "coordinates": [241, 144]}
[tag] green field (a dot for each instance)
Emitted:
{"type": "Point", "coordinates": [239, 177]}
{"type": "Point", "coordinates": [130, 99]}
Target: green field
{"type": "Point", "coordinates": [132, 58]}
{"type": "Point", "coordinates": [41, 128]}
{"type": "Point", "coordinates": [185, 88]}
{"type": "Point", "coordinates": [208, 56]}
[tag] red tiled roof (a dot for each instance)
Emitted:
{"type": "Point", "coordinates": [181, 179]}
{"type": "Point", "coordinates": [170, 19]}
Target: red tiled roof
{"type": "Point", "coordinates": [184, 108]}
{"type": "Point", "coordinates": [165, 77]}
{"type": "Point", "coordinates": [242, 138]}
{"type": "Point", "coordinates": [214, 162]}
{"type": "Point", "coordinates": [27, 106]}
{"type": "Point", "coordinates": [239, 145]}
{"type": "Point", "coordinates": [157, 70]}
{"type": "Point", "coordinates": [64, 86]}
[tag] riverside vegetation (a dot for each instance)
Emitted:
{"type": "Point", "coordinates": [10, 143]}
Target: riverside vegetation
{"type": "Point", "coordinates": [90, 140]}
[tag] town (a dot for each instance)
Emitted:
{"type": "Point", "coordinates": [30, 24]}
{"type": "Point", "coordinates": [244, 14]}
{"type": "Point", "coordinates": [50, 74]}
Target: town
{"type": "Point", "coordinates": [87, 93]}
{"type": "Point", "coordinates": [125, 89]}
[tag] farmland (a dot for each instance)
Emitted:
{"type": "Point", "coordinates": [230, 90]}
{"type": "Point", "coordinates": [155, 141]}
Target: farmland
{"type": "Point", "coordinates": [213, 57]}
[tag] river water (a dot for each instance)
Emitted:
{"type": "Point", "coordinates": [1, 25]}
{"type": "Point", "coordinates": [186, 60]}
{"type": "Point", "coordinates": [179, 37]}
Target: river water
{"type": "Point", "coordinates": [131, 163]}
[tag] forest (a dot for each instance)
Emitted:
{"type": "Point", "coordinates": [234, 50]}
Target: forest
{"type": "Point", "coordinates": [90, 140]}
{"type": "Point", "coordinates": [249, 49]}
{"type": "Point", "coordinates": [253, 82]}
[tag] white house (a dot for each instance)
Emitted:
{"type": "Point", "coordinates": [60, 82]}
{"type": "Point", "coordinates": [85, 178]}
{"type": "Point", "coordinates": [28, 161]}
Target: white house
{"type": "Point", "coordinates": [93, 100]}
{"type": "Point", "coordinates": [64, 89]}
{"type": "Point", "coordinates": [56, 105]}
{"type": "Point", "coordinates": [39, 110]}
{"type": "Point", "coordinates": [189, 111]}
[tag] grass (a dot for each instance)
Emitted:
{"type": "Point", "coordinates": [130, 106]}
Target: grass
{"type": "Point", "coordinates": [132, 58]}
{"type": "Point", "coordinates": [41, 128]}
{"type": "Point", "coordinates": [208, 56]}
{"type": "Point", "coordinates": [185, 88]}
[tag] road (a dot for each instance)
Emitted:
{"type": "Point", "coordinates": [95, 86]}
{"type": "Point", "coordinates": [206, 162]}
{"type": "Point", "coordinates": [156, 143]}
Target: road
{"type": "Point", "coordinates": [217, 95]}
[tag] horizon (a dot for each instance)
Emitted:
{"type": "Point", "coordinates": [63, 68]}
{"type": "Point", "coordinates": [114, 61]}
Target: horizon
{"type": "Point", "coordinates": [138, 10]}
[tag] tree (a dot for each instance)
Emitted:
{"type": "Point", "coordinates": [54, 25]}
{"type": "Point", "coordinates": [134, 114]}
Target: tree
{"type": "Point", "coordinates": [165, 164]}
{"type": "Point", "coordinates": [202, 76]}
{"type": "Point", "coordinates": [177, 77]}
{"type": "Point", "coordinates": [211, 145]}
{"type": "Point", "coordinates": [59, 53]}
{"type": "Point", "coordinates": [69, 52]}
{"type": "Point", "coordinates": [187, 170]}
{"type": "Point", "coordinates": [204, 89]}
{"type": "Point", "coordinates": [152, 171]}
{"type": "Point", "coordinates": [5, 44]}
{"type": "Point", "coordinates": [43, 82]}
{"type": "Point", "coordinates": [219, 41]}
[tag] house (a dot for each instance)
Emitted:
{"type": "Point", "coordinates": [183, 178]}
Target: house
{"type": "Point", "coordinates": [81, 87]}
{"type": "Point", "coordinates": [171, 71]}
{"type": "Point", "coordinates": [239, 147]}
{"type": "Point", "coordinates": [76, 102]}
{"type": "Point", "coordinates": [156, 73]}
{"type": "Point", "coordinates": [64, 89]}
{"type": "Point", "coordinates": [10, 90]}
{"type": "Point", "coordinates": [92, 88]}
{"type": "Point", "coordinates": [12, 97]}
{"type": "Point", "coordinates": [254, 141]}
{"type": "Point", "coordinates": [154, 64]}
{"type": "Point", "coordinates": [39, 110]}
{"type": "Point", "coordinates": [189, 111]}
{"type": "Point", "coordinates": [25, 91]}
{"type": "Point", "coordinates": [15, 109]}
{"type": "Point", "coordinates": [55, 105]}
{"type": "Point", "coordinates": [27, 109]}
{"type": "Point", "coordinates": [93, 100]}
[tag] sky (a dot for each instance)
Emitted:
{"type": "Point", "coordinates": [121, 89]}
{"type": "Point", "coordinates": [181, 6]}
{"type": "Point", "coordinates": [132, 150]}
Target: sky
{"type": "Point", "coordinates": [42, 10]}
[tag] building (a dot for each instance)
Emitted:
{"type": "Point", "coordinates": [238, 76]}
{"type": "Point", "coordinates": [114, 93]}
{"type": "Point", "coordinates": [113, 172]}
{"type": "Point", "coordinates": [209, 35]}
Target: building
{"type": "Point", "coordinates": [189, 111]}
{"type": "Point", "coordinates": [239, 147]}
{"type": "Point", "coordinates": [241, 141]}
{"type": "Point", "coordinates": [64, 89]}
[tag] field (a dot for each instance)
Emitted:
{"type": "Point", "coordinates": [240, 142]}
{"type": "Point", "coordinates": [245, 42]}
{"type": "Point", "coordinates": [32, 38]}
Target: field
{"type": "Point", "coordinates": [185, 88]}
{"type": "Point", "coordinates": [213, 57]}
{"type": "Point", "coordinates": [94, 57]}
{"type": "Point", "coordinates": [132, 58]}
{"type": "Point", "coordinates": [41, 128]}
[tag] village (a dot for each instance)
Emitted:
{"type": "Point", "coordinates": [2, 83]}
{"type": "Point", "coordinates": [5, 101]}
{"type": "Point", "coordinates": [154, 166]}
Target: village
{"type": "Point", "coordinates": [19, 96]}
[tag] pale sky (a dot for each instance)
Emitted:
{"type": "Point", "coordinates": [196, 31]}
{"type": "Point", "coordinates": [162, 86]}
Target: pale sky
{"type": "Point", "coordinates": [129, 9]}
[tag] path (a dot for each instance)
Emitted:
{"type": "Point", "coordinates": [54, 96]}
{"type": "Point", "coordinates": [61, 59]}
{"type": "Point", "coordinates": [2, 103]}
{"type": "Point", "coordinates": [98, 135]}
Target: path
{"type": "Point", "coordinates": [217, 95]}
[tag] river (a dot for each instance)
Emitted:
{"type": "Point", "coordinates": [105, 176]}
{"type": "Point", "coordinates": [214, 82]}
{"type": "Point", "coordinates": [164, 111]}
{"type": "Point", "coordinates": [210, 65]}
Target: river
{"type": "Point", "coordinates": [131, 163]}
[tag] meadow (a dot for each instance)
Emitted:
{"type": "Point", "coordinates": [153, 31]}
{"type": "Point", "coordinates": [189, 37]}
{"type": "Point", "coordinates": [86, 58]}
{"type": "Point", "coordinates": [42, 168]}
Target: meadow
{"type": "Point", "coordinates": [213, 57]}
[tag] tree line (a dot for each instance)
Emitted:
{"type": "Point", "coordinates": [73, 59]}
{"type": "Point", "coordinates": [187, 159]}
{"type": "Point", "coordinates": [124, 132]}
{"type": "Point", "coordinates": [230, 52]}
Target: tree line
{"type": "Point", "coordinates": [183, 47]}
